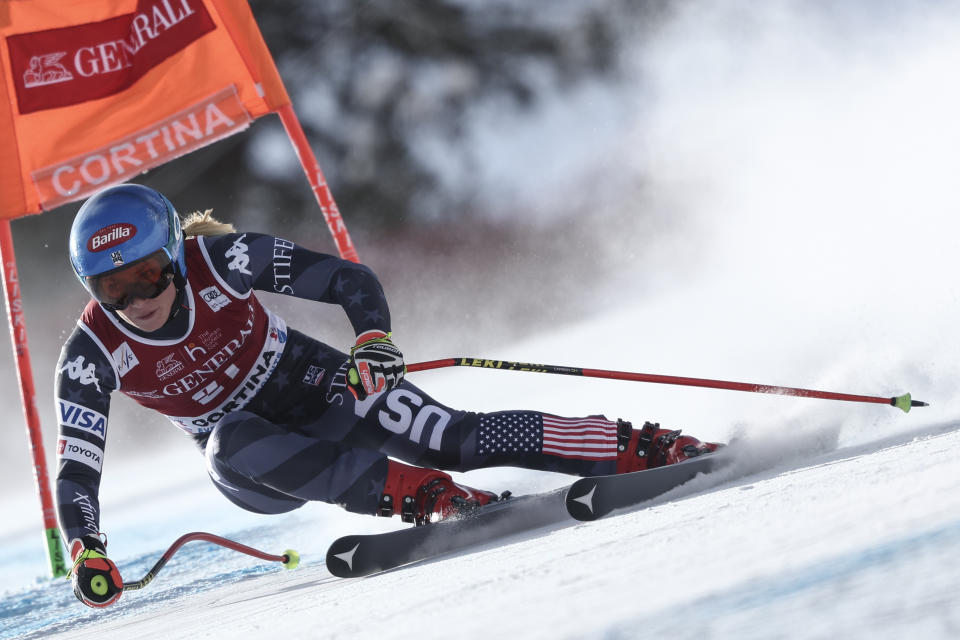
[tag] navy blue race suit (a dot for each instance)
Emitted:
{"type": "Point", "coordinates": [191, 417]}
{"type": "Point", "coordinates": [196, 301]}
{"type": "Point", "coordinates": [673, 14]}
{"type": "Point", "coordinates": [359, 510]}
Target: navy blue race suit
{"type": "Point", "coordinates": [288, 430]}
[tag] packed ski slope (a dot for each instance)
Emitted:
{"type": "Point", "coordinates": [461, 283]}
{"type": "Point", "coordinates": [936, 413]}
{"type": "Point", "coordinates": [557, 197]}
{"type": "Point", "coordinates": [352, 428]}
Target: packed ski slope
{"type": "Point", "coordinates": [840, 521]}
{"type": "Point", "coordinates": [854, 543]}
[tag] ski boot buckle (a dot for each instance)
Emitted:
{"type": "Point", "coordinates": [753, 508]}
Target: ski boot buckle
{"type": "Point", "coordinates": [385, 508]}
{"type": "Point", "coordinates": [408, 509]}
{"type": "Point", "coordinates": [624, 433]}
{"type": "Point", "coordinates": [645, 439]}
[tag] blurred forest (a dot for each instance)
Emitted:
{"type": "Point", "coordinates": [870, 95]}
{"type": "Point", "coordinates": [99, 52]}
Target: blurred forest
{"type": "Point", "coordinates": [436, 123]}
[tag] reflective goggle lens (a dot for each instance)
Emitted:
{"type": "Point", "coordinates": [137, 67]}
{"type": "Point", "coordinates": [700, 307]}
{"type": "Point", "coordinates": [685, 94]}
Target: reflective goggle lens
{"type": "Point", "coordinates": [146, 278]}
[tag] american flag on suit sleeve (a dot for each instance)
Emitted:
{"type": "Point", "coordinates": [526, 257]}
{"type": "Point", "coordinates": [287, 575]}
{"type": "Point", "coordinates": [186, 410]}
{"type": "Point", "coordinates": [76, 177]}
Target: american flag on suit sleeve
{"type": "Point", "coordinates": [521, 432]}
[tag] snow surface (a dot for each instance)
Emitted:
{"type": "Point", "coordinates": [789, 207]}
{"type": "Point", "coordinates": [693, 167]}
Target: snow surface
{"type": "Point", "coordinates": [858, 542]}
{"type": "Point", "coordinates": [809, 535]}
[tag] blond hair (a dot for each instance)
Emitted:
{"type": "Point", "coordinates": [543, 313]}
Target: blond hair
{"type": "Point", "coordinates": [204, 224]}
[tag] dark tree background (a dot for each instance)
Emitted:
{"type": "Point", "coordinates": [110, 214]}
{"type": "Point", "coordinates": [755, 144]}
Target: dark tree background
{"type": "Point", "coordinates": [376, 76]}
{"type": "Point", "coordinates": [374, 83]}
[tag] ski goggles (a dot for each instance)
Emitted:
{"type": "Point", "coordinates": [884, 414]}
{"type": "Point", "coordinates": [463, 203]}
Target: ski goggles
{"type": "Point", "coordinates": [146, 278]}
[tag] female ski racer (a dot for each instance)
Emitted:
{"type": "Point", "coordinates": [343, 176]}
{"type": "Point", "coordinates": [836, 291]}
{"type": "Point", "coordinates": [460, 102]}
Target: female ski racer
{"type": "Point", "coordinates": [280, 417]}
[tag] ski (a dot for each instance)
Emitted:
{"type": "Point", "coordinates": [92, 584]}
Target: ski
{"type": "Point", "coordinates": [592, 498]}
{"type": "Point", "coordinates": [353, 556]}
{"type": "Point", "coordinates": [360, 555]}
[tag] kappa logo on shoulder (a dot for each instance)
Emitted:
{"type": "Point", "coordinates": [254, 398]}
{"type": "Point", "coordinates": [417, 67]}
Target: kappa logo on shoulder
{"type": "Point", "coordinates": [84, 374]}
{"type": "Point", "coordinates": [214, 298]}
{"type": "Point", "coordinates": [238, 253]}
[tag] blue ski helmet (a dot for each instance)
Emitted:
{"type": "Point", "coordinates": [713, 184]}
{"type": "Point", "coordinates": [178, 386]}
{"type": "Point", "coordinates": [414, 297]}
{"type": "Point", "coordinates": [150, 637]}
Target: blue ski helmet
{"type": "Point", "coordinates": [120, 225]}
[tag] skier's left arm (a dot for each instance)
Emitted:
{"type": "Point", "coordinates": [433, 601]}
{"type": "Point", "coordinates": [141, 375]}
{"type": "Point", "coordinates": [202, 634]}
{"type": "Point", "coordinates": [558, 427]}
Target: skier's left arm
{"type": "Point", "coordinates": [268, 263]}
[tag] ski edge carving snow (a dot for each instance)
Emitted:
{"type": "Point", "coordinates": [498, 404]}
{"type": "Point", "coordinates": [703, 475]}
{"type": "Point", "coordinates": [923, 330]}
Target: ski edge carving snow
{"type": "Point", "coordinates": [354, 556]}
{"type": "Point", "coordinates": [360, 555]}
{"type": "Point", "coordinates": [592, 498]}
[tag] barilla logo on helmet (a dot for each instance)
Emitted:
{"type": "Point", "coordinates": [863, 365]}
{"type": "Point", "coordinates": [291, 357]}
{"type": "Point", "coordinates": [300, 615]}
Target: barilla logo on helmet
{"type": "Point", "coordinates": [111, 236]}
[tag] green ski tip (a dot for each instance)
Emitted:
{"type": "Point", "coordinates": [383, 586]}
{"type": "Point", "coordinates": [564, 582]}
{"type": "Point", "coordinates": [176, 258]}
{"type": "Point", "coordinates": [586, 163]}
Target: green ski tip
{"type": "Point", "coordinates": [904, 402]}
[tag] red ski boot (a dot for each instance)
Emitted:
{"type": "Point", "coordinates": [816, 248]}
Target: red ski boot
{"type": "Point", "coordinates": [650, 446]}
{"type": "Point", "coordinates": [427, 495]}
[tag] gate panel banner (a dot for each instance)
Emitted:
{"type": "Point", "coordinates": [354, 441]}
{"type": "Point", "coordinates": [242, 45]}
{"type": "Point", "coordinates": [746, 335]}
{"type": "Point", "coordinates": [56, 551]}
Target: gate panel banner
{"type": "Point", "coordinates": [95, 92]}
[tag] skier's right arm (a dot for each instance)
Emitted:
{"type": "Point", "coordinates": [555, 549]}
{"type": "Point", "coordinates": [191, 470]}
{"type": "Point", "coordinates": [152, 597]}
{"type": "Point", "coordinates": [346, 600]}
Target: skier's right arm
{"type": "Point", "coordinates": [85, 378]}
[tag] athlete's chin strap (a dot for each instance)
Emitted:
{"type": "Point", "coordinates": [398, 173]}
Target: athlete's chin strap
{"type": "Point", "coordinates": [180, 302]}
